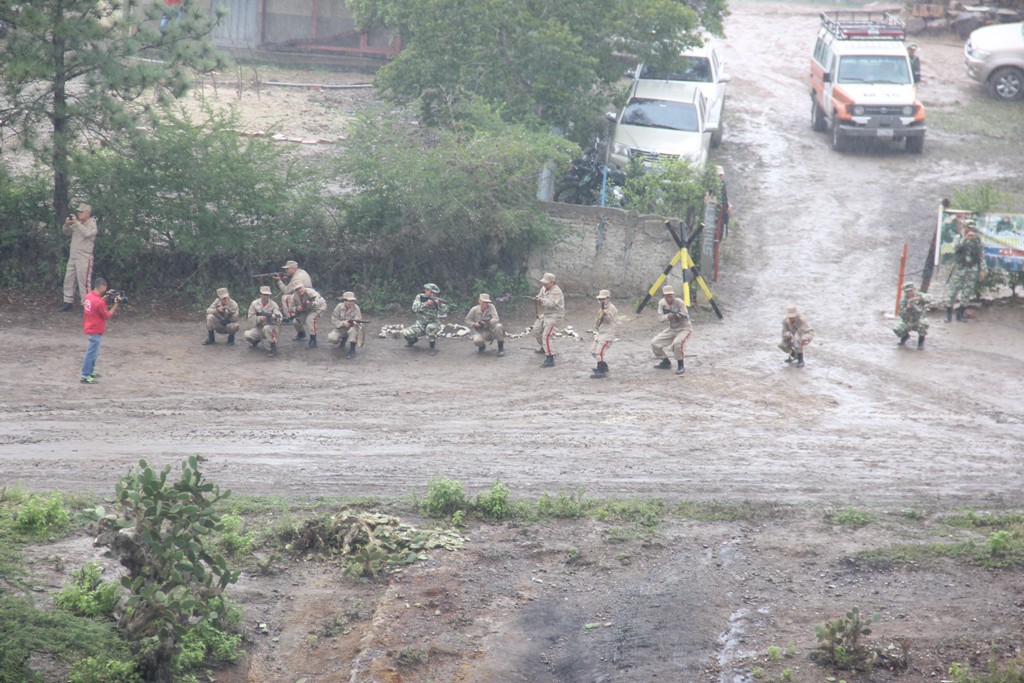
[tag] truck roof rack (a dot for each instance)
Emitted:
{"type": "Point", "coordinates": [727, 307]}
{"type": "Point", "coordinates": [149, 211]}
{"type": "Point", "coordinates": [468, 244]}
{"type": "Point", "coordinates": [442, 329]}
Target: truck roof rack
{"type": "Point", "coordinates": [863, 25]}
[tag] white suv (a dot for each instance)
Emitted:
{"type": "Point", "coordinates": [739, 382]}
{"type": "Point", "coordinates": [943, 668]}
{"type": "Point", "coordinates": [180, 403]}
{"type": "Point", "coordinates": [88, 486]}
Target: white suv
{"type": "Point", "coordinates": [661, 119]}
{"type": "Point", "coordinates": [702, 67]}
{"type": "Point", "coordinates": [994, 55]}
{"type": "Point", "coordinates": [861, 81]}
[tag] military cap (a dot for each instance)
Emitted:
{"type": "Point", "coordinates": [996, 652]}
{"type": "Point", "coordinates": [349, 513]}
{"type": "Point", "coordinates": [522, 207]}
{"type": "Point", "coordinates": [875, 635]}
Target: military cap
{"type": "Point", "coordinates": [547, 278]}
{"type": "Point", "coordinates": [222, 292]}
{"type": "Point", "coordinates": [266, 290]}
{"type": "Point", "coordinates": [290, 264]}
{"type": "Point", "coordinates": [432, 287]}
{"type": "Point", "coordinates": [604, 294]}
{"type": "Point", "coordinates": [485, 297]}
{"type": "Point", "coordinates": [667, 289]}
{"type": "Point", "coordinates": [907, 286]}
{"type": "Point", "coordinates": [791, 311]}
{"type": "Point", "coordinates": [348, 296]}
{"type": "Point", "coordinates": [84, 207]}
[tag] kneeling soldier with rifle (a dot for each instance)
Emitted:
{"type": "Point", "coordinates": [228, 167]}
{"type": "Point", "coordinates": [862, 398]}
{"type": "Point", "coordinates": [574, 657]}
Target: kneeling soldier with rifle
{"type": "Point", "coordinates": [222, 318]}
{"type": "Point", "coordinates": [430, 310]}
{"type": "Point", "coordinates": [796, 335]}
{"type": "Point", "coordinates": [483, 320]}
{"type": "Point", "coordinates": [307, 306]}
{"type": "Point", "coordinates": [264, 321]}
{"type": "Point", "coordinates": [348, 324]}
{"type": "Point", "coordinates": [912, 315]}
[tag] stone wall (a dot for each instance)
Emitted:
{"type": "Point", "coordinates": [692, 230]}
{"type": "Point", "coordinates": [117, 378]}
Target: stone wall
{"type": "Point", "coordinates": [607, 248]}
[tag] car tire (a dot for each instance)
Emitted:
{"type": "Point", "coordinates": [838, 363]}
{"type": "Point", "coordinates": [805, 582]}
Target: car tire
{"type": "Point", "coordinates": [716, 137]}
{"type": "Point", "coordinates": [818, 123]}
{"type": "Point", "coordinates": [1006, 83]}
{"type": "Point", "coordinates": [838, 141]}
{"type": "Point", "coordinates": [915, 145]}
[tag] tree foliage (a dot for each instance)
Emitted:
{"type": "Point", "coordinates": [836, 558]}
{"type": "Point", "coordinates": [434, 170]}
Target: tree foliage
{"type": "Point", "coordinates": [195, 202]}
{"type": "Point", "coordinates": [539, 61]}
{"type": "Point", "coordinates": [449, 204]}
{"type": "Point", "coordinates": [79, 70]}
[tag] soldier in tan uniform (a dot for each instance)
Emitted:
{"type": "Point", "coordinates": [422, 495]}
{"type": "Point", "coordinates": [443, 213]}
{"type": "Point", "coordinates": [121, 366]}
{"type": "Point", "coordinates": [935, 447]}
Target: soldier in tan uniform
{"type": "Point", "coordinates": [82, 229]}
{"type": "Point", "coordinates": [264, 321]}
{"type": "Point", "coordinates": [550, 313]}
{"type": "Point", "coordinates": [346, 328]}
{"type": "Point", "coordinates": [604, 333]}
{"type": "Point", "coordinates": [796, 335]}
{"type": "Point", "coordinates": [307, 306]}
{"type": "Point", "coordinates": [672, 310]}
{"type": "Point", "coordinates": [222, 317]}
{"type": "Point", "coordinates": [483, 320]}
{"type": "Point", "coordinates": [296, 276]}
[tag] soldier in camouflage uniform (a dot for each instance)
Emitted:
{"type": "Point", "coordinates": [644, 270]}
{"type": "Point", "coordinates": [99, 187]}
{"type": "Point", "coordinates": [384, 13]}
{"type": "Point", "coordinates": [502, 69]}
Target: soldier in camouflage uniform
{"type": "Point", "coordinates": [485, 324]}
{"type": "Point", "coordinates": [264, 321]}
{"type": "Point", "coordinates": [797, 333]}
{"type": "Point", "coordinates": [222, 318]}
{"type": "Point", "coordinates": [346, 329]}
{"type": "Point", "coordinates": [912, 309]}
{"type": "Point", "coordinates": [604, 333]}
{"type": "Point", "coordinates": [430, 311]}
{"type": "Point", "coordinates": [307, 306]}
{"type": "Point", "coordinates": [969, 270]}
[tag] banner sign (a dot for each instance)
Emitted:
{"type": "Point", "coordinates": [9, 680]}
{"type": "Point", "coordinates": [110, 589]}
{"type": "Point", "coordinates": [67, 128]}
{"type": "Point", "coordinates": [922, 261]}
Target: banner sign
{"type": "Point", "coordinates": [1002, 237]}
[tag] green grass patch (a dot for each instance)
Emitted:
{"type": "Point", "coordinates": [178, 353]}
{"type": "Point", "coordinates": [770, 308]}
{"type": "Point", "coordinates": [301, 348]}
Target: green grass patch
{"type": "Point", "coordinates": [849, 517]}
{"type": "Point", "coordinates": [988, 122]}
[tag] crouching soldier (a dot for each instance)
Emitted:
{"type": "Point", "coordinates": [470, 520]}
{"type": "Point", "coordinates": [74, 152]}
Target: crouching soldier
{"type": "Point", "coordinates": [264, 321]}
{"type": "Point", "coordinates": [487, 328]}
{"type": "Point", "coordinates": [796, 335]}
{"type": "Point", "coordinates": [912, 315]}
{"type": "Point", "coordinates": [430, 311]}
{"type": "Point", "coordinates": [672, 310]}
{"type": "Point", "coordinates": [222, 317]}
{"type": "Point", "coordinates": [307, 306]}
{"type": "Point", "coordinates": [347, 328]}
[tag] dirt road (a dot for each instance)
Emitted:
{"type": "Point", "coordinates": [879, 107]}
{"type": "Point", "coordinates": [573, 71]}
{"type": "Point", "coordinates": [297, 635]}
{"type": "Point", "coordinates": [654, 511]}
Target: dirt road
{"type": "Point", "coordinates": [864, 423]}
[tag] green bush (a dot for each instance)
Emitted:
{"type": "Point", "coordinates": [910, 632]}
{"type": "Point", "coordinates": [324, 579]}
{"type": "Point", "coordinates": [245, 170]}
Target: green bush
{"type": "Point", "coordinates": [32, 250]}
{"type": "Point", "coordinates": [444, 498]}
{"type": "Point", "coordinates": [88, 595]}
{"type": "Point", "coordinates": [210, 640]}
{"type": "Point", "coordinates": [41, 514]}
{"type": "Point", "coordinates": [671, 187]}
{"type": "Point", "coordinates": [232, 540]}
{"type": "Point", "coordinates": [1012, 672]}
{"type": "Point", "coordinates": [564, 505]}
{"type": "Point", "coordinates": [105, 670]}
{"type": "Point", "coordinates": [495, 503]}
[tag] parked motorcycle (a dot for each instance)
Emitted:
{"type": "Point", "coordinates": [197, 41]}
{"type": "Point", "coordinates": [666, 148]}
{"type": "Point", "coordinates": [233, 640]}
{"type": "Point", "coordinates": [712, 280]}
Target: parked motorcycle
{"type": "Point", "coordinates": [584, 181]}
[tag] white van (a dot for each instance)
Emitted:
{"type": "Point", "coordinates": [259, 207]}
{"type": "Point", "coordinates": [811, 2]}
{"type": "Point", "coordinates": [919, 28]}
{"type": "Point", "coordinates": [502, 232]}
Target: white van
{"type": "Point", "coordinates": [861, 81]}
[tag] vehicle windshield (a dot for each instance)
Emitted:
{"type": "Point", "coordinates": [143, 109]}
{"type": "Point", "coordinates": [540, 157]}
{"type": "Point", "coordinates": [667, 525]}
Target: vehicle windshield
{"type": "Point", "coordinates": [692, 69]}
{"type": "Point", "coordinates": [873, 69]}
{"type": "Point", "coordinates": [661, 114]}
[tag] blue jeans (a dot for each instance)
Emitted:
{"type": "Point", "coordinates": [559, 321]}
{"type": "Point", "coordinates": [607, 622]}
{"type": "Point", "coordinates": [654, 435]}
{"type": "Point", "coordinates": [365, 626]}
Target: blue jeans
{"type": "Point", "coordinates": [92, 352]}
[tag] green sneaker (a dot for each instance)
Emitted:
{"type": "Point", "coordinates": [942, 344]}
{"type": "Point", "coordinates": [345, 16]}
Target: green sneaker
{"type": "Point", "coordinates": [95, 375]}
{"type": "Point", "coordinates": [88, 380]}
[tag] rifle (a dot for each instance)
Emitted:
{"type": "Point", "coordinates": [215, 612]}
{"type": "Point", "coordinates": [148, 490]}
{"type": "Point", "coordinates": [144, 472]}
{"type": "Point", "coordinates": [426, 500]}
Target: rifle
{"type": "Point", "coordinates": [279, 273]}
{"type": "Point", "coordinates": [353, 320]}
{"type": "Point", "coordinates": [424, 298]}
{"type": "Point", "coordinates": [674, 314]}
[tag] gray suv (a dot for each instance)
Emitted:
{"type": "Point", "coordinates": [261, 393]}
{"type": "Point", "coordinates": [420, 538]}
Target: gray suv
{"type": "Point", "coordinates": [994, 56]}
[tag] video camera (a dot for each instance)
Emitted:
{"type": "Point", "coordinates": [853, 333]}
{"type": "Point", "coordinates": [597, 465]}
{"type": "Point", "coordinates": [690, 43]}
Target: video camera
{"type": "Point", "coordinates": [116, 296]}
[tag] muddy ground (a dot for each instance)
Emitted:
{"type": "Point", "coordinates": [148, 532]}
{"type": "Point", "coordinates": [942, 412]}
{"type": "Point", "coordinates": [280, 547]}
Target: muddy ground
{"type": "Point", "coordinates": [905, 434]}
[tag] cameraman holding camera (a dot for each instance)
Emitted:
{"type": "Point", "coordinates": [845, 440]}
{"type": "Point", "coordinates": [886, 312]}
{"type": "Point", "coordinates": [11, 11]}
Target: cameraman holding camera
{"type": "Point", "coordinates": [82, 229]}
{"type": "Point", "coordinates": [94, 324]}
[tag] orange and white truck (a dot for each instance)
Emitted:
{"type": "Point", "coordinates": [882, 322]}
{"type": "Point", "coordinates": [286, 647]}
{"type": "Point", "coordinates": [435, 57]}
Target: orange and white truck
{"type": "Point", "coordinates": [862, 86]}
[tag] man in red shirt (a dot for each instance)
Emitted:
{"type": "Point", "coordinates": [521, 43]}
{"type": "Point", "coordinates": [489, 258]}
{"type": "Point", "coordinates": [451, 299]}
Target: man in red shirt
{"type": "Point", "coordinates": [94, 323]}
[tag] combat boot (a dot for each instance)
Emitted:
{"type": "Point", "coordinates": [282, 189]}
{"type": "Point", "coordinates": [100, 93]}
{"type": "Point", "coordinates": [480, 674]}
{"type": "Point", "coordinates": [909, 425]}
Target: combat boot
{"type": "Point", "coordinates": [961, 314]}
{"type": "Point", "coordinates": [253, 343]}
{"type": "Point", "coordinates": [601, 371]}
{"type": "Point", "coordinates": [549, 362]}
{"type": "Point", "coordinates": [904, 338]}
{"type": "Point", "coordinates": [410, 342]}
{"type": "Point", "coordinates": [501, 349]}
{"type": "Point", "coordinates": [539, 349]}
{"type": "Point", "coordinates": [481, 348]}
{"type": "Point", "coordinates": [799, 360]}
{"type": "Point", "coordinates": [273, 348]}
{"type": "Point", "coordinates": [300, 336]}
{"type": "Point", "coordinates": [791, 357]}
{"type": "Point", "coordinates": [351, 350]}
{"type": "Point", "coordinates": [231, 340]}
{"type": "Point", "coordinates": [433, 348]}
{"type": "Point", "coordinates": [209, 339]}
{"type": "Point", "coordinates": [920, 341]}
{"type": "Point", "coordinates": [680, 368]}
{"type": "Point", "coordinates": [312, 342]}
{"type": "Point", "coordinates": [949, 313]}
{"type": "Point", "coordinates": [665, 364]}
{"type": "Point", "coordinates": [64, 308]}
